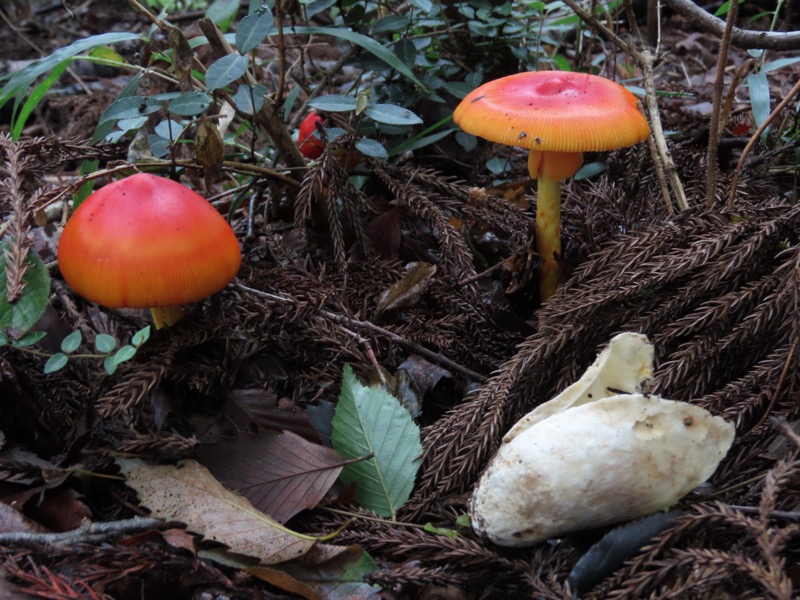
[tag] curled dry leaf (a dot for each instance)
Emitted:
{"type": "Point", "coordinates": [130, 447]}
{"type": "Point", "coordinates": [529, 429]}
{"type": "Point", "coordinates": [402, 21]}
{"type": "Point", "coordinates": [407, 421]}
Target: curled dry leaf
{"type": "Point", "coordinates": [188, 492]}
{"type": "Point", "coordinates": [587, 459]}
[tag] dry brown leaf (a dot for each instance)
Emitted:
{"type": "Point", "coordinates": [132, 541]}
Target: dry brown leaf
{"type": "Point", "coordinates": [188, 492]}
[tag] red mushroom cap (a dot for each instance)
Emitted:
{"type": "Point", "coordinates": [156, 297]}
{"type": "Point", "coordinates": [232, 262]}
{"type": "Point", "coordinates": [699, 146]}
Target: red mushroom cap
{"type": "Point", "coordinates": [554, 111]}
{"type": "Point", "coordinates": [147, 241]}
{"type": "Point", "coordinates": [309, 144]}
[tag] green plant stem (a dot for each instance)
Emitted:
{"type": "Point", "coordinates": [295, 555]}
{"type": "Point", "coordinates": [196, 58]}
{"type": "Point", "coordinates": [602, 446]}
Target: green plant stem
{"type": "Point", "coordinates": [33, 352]}
{"type": "Point", "coordinates": [548, 235]}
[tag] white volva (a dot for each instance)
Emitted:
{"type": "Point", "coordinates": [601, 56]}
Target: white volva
{"type": "Point", "coordinates": [598, 453]}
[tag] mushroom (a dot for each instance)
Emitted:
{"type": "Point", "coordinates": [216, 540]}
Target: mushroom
{"type": "Point", "coordinates": [599, 453]}
{"type": "Point", "coordinates": [146, 241]}
{"type": "Point", "coordinates": [558, 116]}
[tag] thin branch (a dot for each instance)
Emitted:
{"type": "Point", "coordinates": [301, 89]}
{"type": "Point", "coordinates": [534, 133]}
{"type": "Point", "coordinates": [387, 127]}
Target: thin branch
{"type": "Point", "coordinates": [87, 532]}
{"type": "Point", "coordinates": [745, 39]}
{"type": "Point", "coordinates": [715, 125]}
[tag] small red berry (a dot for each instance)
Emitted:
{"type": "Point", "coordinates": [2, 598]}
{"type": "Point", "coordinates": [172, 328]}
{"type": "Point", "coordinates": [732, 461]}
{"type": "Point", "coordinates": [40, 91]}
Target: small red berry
{"type": "Point", "coordinates": [309, 144]}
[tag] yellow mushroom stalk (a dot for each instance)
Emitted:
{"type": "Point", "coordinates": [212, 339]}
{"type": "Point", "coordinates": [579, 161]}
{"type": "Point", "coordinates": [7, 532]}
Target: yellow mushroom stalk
{"type": "Point", "coordinates": [557, 116]}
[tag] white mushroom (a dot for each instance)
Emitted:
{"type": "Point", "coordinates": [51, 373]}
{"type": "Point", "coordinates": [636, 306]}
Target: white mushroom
{"type": "Point", "coordinates": [591, 457]}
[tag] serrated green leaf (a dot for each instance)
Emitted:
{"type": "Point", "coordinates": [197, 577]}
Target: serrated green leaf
{"type": "Point", "coordinates": [71, 343]}
{"type": "Point", "coordinates": [190, 104]}
{"type": "Point", "coordinates": [141, 336]}
{"type": "Point", "coordinates": [55, 363]}
{"type": "Point", "coordinates": [334, 103]}
{"type": "Point", "coordinates": [391, 114]}
{"type": "Point", "coordinates": [19, 317]}
{"type": "Point", "coordinates": [370, 421]}
{"type": "Point", "coordinates": [252, 30]}
{"type": "Point", "coordinates": [104, 343]}
{"type": "Point", "coordinates": [226, 70]}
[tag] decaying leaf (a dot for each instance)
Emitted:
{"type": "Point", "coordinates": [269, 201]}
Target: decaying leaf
{"type": "Point", "coordinates": [407, 291]}
{"type": "Point", "coordinates": [280, 473]}
{"type": "Point", "coordinates": [188, 492]}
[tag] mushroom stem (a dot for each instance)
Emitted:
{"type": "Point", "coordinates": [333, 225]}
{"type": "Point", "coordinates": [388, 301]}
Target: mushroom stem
{"type": "Point", "coordinates": [166, 316]}
{"type": "Point", "coordinates": [548, 234]}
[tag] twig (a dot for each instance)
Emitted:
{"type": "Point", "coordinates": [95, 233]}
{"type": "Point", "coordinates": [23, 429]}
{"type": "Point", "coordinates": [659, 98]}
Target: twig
{"type": "Point", "coordinates": [341, 319]}
{"type": "Point", "coordinates": [754, 138]}
{"type": "Point", "coordinates": [714, 126]}
{"type": "Point", "coordinates": [746, 39]}
{"type": "Point", "coordinates": [86, 532]}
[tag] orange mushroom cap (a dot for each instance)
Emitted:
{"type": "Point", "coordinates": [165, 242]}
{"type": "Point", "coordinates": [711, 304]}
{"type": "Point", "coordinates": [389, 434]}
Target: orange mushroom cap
{"type": "Point", "coordinates": [553, 111]}
{"type": "Point", "coordinates": [146, 241]}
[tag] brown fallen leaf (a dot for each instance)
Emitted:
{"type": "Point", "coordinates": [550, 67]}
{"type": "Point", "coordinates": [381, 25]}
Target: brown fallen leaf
{"type": "Point", "coordinates": [408, 291]}
{"type": "Point", "coordinates": [280, 473]}
{"type": "Point", "coordinates": [189, 493]}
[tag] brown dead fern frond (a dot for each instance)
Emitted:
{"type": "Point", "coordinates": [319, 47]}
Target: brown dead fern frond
{"type": "Point", "coordinates": [421, 202]}
{"type": "Point", "coordinates": [137, 378]}
{"type": "Point", "coordinates": [13, 198]}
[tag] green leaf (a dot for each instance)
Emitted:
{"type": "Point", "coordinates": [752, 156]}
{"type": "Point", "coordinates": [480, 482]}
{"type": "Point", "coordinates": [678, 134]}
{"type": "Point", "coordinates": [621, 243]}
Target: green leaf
{"type": "Point", "coordinates": [225, 71]}
{"type": "Point", "coordinates": [3, 339]}
{"type": "Point", "coordinates": [124, 354]}
{"type": "Point", "coordinates": [252, 30]}
{"type": "Point", "coordinates": [19, 83]}
{"type": "Point", "coordinates": [35, 97]}
{"type": "Point", "coordinates": [71, 343]}
{"type": "Point", "coordinates": [109, 365]}
{"type": "Point", "coordinates": [419, 142]}
{"type": "Point", "coordinates": [464, 520]}
{"type": "Point", "coordinates": [371, 148]}
{"type": "Point", "coordinates": [368, 44]}
{"type": "Point", "coordinates": [779, 63]}
{"type": "Point", "coordinates": [141, 336]}
{"type": "Point", "coordinates": [391, 114]}
{"type": "Point", "coordinates": [19, 317]}
{"type": "Point", "coordinates": [190, 104]}
{"type": "Point", "coordinates": [55, 363]}
{"type": "Point", "coordinates": [29, 339]}
{"type": "Point", "coordinates": [222, 12]}
{"type": "Point", "coordinates": [759, 96]}
{"type": "Point", "coordinates": [247, 95]}
{"type": "Point", "coordinates": [169, 130]}
{"type": "Point", "coordinates": [334, 103]}
{"type": "Point", "coordinates": [431, 528]}
{"type": "Point", "coordinates": [104, 343]}
{"type": "Point", "coordinates": [129, 108]}
{"type": "Point", "coordinates": [370, 421]}
{"type": "Point", "coordinates": [589, 170]}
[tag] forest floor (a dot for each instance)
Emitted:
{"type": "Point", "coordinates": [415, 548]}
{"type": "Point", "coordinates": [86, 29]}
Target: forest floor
{"type": "Point", "coordinates": [425, 282]}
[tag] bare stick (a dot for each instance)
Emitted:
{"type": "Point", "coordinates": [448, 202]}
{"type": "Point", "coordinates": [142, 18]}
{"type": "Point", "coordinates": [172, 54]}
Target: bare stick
{"type": "Point", "coordinates": [745, 39]}
{"type": "Point", "coordinates": [715, 125]}
{"type": "Point", "coordinates": [86, 532]}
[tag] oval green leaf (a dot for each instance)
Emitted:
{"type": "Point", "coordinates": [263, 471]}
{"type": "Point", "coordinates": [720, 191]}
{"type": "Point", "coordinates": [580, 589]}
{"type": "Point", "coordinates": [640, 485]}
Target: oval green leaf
{"type": "Point", "coordinates": [334, 103]}
{"type": "Point", "coordinates": [225, 71]}
{"type": "Point", "coordinates": [252, 30]}
{"type": "Point", "coordinates": [19, 317]}
{"type": "Point", "coordinates": [190, 104]}
{"type": "Point", "coordinates": [55, 363]}
{"type": "Point", "coordinates": [104, 343]}
{"type": "Point", "coordinates": [71, 343]}
{"type": "Point", "coordinates": [391, 114]}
